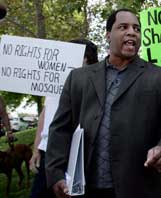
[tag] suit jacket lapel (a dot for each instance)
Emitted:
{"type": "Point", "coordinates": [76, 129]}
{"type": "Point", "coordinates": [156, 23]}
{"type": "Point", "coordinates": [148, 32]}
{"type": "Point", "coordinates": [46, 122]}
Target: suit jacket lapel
{"type": "Point", "coordinates": [134, 70]}
{"type": "Point", "coordinates": [97, 77]}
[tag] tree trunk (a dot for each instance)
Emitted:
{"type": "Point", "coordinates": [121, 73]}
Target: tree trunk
{"type": "Point", "coordinates": [86, 22]}
{"type": "Point", "coordinates": [41, 33]}
{"type": "Point", "coordinates": [40, 19]}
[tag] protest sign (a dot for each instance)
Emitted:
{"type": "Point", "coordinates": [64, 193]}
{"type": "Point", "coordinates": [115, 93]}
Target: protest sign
{"type": "Point", "coordinates": [37, 66]}
{"type": "Point", "coordinates": [151, 35]}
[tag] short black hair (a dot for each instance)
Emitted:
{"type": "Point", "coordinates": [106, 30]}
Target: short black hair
{"type": "Point", "coordinates": [3, 11]}
{"type": "Point", "coordinates": [90, 51]}
{"type": "Point", "coordinates": [112, 18]}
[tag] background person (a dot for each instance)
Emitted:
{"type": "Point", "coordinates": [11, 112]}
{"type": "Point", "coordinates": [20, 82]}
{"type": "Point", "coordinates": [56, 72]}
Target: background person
{"type": "Point", "coordinates": [3, 10]}
{"type": "Point", "coordinates": [118, 104]}
{"type": "Point", "coordinates": [37, 161]}
{"type": "Point", "coordinates": [5, 127]}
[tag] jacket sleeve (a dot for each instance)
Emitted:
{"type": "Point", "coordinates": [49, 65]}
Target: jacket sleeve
{"type": "Point", "coordinates": [60, 134]}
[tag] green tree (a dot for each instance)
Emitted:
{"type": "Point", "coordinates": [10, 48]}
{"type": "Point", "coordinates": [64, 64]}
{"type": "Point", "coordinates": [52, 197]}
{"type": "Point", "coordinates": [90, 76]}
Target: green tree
{"type": "Point", "coordinates": [59, 20]}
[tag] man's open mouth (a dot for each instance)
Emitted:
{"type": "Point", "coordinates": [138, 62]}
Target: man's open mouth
{"type": "Point", "coordinates": [130, 43]}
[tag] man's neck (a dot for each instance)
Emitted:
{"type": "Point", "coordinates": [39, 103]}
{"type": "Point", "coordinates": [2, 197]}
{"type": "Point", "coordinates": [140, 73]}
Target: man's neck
{"type": "Point", "coordinates": [118, 62]}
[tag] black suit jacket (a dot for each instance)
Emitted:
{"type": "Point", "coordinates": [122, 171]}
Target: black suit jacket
{"type": "Point", "coordinates": [135, 126]}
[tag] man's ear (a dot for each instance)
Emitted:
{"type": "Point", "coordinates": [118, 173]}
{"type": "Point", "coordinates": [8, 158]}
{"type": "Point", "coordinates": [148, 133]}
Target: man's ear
{"type": "Point", "coordinates": [108, 37]}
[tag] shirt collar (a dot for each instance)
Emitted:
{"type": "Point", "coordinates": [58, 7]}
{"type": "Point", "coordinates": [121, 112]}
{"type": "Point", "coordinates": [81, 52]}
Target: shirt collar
{"type": "Point", "coordinates": [110, 66]}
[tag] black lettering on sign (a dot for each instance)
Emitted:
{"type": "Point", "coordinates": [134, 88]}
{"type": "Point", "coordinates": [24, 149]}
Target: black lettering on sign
{"type": "Point", "coordinates": [26, 74]}
{"type": "Point", "coordinates": [154, 17]}
{"type": "Point", "coordinates": [51, 77]}
{"type": "Point", "coordinates": [146, 40]}
{"type": "Point", "coordinates": [151, 37]}
{"type": "Point", "coordinates": [28, 51]}
{"type": "Point", "coordinates": [6, 71]}
{"type": "Point", "coordinates": [56, 66]}
{"type": "Point", "coordinates": [46, 88]}
{"type": "Point", "coordinates": [7, 49]}
{"type": "Point", "coordinates": [156, 38]}
{"type": "Point", "coordinates": [51, 54]}
{"type": "Point", "coordinates": [150, 57]}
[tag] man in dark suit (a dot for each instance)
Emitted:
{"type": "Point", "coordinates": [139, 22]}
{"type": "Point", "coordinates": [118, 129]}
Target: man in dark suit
{"type": "Point", "coordinates": [118, 104]}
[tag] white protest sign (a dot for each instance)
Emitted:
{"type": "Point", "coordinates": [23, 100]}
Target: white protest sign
{"type": "Point", "coordinates": [37, 66]}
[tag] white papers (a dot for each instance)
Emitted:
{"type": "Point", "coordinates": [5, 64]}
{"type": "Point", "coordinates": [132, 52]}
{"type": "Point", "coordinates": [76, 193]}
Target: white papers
{"type": "Point", "coordinates": [75, 172]}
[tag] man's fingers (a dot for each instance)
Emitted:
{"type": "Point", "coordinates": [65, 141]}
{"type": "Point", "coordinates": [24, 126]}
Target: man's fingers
{"type": "Point", "coordinates": [38, 163]}
{"type": "Point", "coordinates": [153, 156]}
{"type": "Point", "coordinates": [61, 189]}
{"type": "Point", "coordinates": [150, 157]}
{"type": "Point", "coordinates": [157, 165]}
{"type": "Point", "coordinates": [33, 166]}
{"type": "Point", "coordinates": [64, 187]}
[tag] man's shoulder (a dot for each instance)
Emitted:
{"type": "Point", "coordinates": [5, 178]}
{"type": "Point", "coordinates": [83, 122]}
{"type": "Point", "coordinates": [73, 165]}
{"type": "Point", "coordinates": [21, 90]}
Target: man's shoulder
{"type": "Point", "coordinates": [92, 67]}
{"type": "Point", "coordinates": [80, 76]}
{"type": "Point", "coordinates": [154, 67]}
{"type": "Point", "coordinates": [150, 66]}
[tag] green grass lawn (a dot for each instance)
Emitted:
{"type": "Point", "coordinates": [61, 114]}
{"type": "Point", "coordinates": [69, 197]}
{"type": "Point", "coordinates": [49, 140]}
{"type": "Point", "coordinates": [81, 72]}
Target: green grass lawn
{"type": "Point", "coordinates": [24, 137]}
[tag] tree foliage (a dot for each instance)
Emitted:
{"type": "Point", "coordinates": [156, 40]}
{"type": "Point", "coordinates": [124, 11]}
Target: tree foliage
{"type": "Point", "coordinates": [59, 20]}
